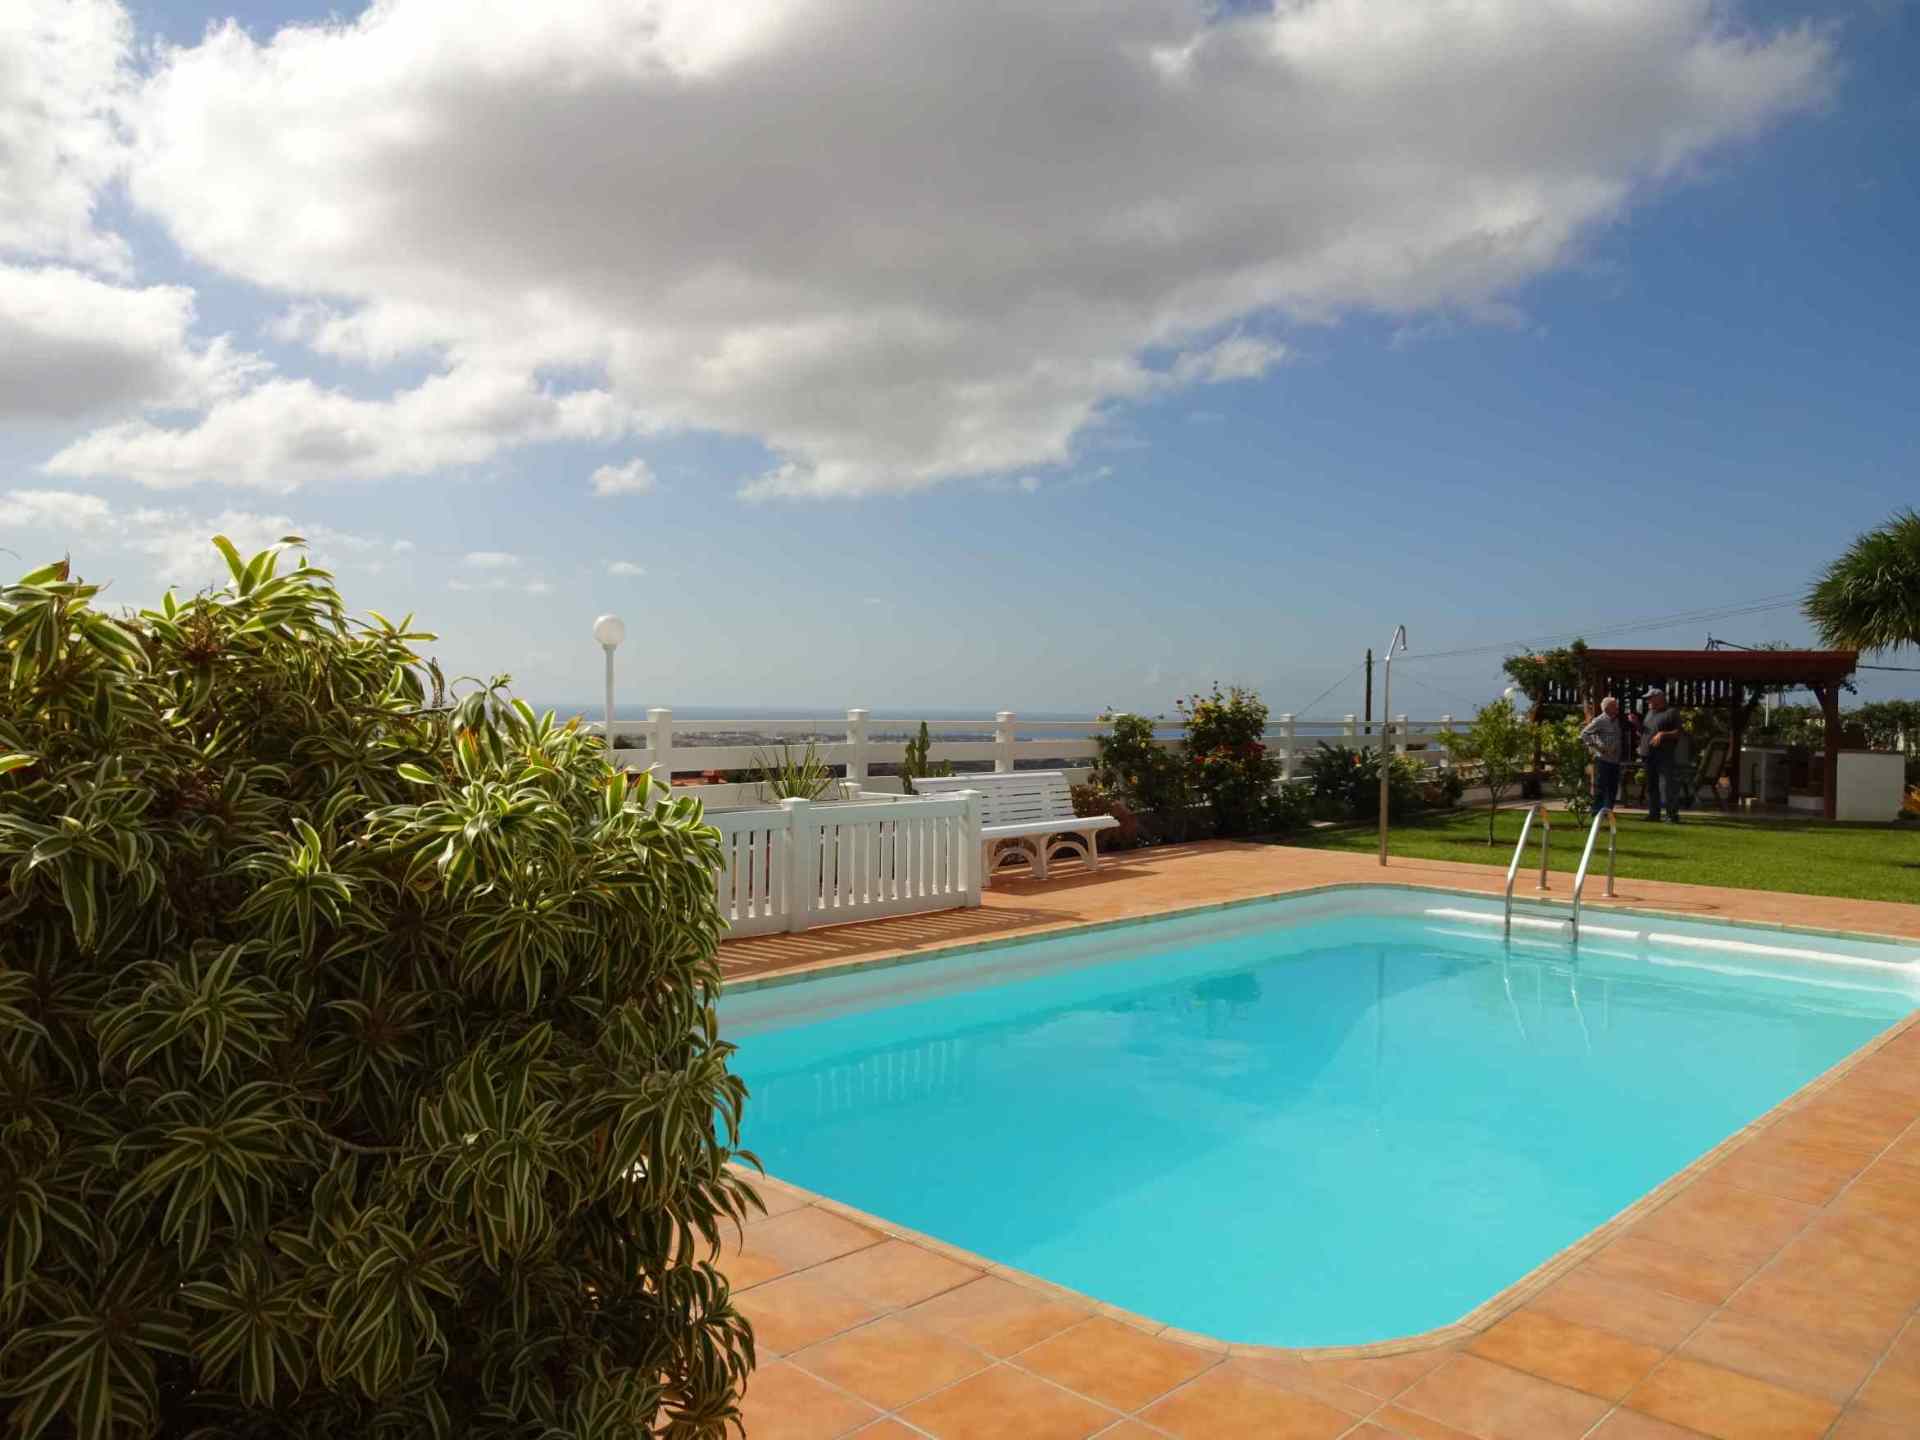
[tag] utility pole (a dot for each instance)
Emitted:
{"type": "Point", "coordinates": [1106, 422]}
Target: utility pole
{"type": "Point", "coordinates": [1368, 707]}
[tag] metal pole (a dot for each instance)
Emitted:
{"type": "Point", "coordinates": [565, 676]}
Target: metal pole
{"type": "Point", "coordinates": [1386, 729]}
{"type": "Point", "coordinates": [609, 650]}
{"type": "Point", "coordinates": [1367, 708]}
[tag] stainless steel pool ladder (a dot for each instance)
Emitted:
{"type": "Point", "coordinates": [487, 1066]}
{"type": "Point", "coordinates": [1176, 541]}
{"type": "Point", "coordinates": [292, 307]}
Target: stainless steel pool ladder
{"type": "Point", "coordinates": [1513, 866]}
{"type": "Point", "coordinates": [1586, 859]}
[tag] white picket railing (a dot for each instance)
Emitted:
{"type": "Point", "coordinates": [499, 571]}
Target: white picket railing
{"type": "Point", "coordinates": [809, 863]}
{"type": "Point", "coordinates": [1006, 742]}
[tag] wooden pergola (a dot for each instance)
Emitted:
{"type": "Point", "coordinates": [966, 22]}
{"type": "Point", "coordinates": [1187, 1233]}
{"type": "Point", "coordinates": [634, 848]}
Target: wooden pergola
{"type": "Point", "coordinates": [1733, 680]}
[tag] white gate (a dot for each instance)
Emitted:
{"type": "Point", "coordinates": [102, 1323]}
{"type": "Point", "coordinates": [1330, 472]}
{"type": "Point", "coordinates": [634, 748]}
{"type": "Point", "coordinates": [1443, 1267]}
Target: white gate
{"type": "Point", "coordinates": [809, 863]}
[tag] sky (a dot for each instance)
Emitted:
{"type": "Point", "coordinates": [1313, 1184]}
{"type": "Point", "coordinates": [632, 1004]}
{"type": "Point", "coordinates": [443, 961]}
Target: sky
{"type": "Point", "coordinates": [918, 356]}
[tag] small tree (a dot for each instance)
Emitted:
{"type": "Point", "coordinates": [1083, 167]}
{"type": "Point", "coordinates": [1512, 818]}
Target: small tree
{"type": "Point", "coordinates": [1568, 755]}
{"type": "Point", "coordinates": [1227, 756]}
{"type": "Point", "coordinates": [1497, 743]}
{"type": "Point", "coordinates": [359, 1070]}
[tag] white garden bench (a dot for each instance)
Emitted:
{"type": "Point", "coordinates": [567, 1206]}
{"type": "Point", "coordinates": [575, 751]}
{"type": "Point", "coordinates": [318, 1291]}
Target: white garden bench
{"type": "Point", "coordinates": [1031, 809]}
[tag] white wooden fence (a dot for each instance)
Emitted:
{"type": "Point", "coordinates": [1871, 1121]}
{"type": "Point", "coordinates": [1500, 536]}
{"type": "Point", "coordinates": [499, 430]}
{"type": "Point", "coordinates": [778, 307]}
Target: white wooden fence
{"type": "Point", "coordinates": [860, 742]}
{"type": "Point", "coordinates": [806, 863]}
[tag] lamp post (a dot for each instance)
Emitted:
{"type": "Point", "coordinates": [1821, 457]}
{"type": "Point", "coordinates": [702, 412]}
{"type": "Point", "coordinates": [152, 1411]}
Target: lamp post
{"type": "Point", "coordinates": [1398, 642]}
{"type": "Point", "coordinates": [609, 631]}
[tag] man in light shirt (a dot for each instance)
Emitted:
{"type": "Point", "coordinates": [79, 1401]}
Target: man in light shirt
{"type": "Point", "coordinates": [1605, 736]}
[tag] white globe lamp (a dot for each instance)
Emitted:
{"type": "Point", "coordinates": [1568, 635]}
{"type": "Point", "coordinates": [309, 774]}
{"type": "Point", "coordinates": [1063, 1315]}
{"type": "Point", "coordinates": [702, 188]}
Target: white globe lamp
{"type": "Point", "coordinates": [609, 631]}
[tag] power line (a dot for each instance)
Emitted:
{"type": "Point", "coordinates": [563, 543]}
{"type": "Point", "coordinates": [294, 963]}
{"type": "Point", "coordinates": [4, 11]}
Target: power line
{"type": "Point", "coordinates": [1307, 709]}
{"type": "Point", "coordinates": [1656, 622]}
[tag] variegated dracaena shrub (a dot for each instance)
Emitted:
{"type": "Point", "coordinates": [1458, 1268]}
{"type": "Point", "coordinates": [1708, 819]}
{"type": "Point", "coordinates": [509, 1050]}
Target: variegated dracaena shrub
{"type": "Point", "coordinates": [358, 1064]}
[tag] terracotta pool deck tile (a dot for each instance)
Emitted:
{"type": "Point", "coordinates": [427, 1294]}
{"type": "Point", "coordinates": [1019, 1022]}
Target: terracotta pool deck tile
{"type": "Point", "coordinates": [1115, 1364]}
{"type": "Point", "coordinates": [1840, 1315]}
{"type": "Point", "coordinates": [1632, 1425]}
{"type": "Point", "coordinates": [1576, 1356]}
{"type": "Point", "coordinates": [1648, 1316]}
{"type": "Point", "coordinates": [1484, 1398]}
{"type": "Point", "coordinates": [1803, 1360]}
{"type": "Point", "coordinates": [1858, 1425]}
{"type": "Point", "coordinates": [890, 1363]}
{"type": "Point", "coordinates": [1313, 1380]}
{"type": "Point", "coordinates": [1848, 1255]}
{"type": "Point", "coordinates": [1416, 1426]}
{"type": "Point", "coordinates": [1731, 1406]}
{"type": "Point", "coordinates": [1654, 1265]}
{"type": "Point", "coordinates": [895, 1274]}
{"type": "Point", "coordinates": [996, 1315]}
{"type": "Point", "coordinates": [1716, 1219]}
{"type": "Point", "coordinates": [1003, 1402]}
{"type": "Point", "coordinates": [888, 1429]}
{"type": "Point", "coordinates": [1229, 1404]}
{"type": "Point", "coordinates": [799, 1239]}
{"type": "Point", "coordinates": [785, 1403]}
{"type": "Point", "coordinates": [1809, 1184]}
{"type": "Point", "coordinates": [1887, 1197]}
{"type": "Point", "coordinates": [798, 1310]}
{"type": "Point", "coordinates": [1893, 1393]}
{"type": "Point", "coordinates": [1130, 1430]}
{"type": "Point", "coordinates": [777, 1196]}
{"type": "Point", "coordinates": [1384, 1376]}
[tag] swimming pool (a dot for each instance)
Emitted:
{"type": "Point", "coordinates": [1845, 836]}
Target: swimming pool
{"type": "Point", "coordinates": [1327, 1119]}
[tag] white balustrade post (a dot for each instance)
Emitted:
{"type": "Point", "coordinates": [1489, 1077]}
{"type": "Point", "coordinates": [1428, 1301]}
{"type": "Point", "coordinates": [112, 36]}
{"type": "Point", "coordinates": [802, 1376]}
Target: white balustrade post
{"type": "Point", "coordinates": [1286, 747]}
{"type": "Point", "coordinates": [803, 854]}
{"type": "Point", "coordinates": [660, 742]}
{"type": "Point", "coordinates": [973, 858]}
{"type": "Point", "coordinates": [1446, 755]}
{"type": "Point", "coordinates": [1351, 729]}
{"type": "Point", "coordinates": [1003, 741]}
{"type": "Point", "coordinates": [1399, 734]}
{"type": "Point", "coordinates": [857, 738]}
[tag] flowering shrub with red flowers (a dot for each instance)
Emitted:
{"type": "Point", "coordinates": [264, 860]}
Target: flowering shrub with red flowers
{"type": "Point", "coordinates": [1227, 759]}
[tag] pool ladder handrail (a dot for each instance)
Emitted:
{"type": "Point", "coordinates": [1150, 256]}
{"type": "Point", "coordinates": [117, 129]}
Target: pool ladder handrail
{"type": "Point", "coordinates": [1586, 859]}
{"type": "Point", "coordinates": [1513, 866]}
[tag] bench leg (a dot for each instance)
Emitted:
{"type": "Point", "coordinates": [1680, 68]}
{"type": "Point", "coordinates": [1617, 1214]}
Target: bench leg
{"type": "Point", "coordinates": [1040, 858]}
{"type": "Point", "coordinates": [1092, 841]}
{"type": "Point", "coordinates": [986, 863]}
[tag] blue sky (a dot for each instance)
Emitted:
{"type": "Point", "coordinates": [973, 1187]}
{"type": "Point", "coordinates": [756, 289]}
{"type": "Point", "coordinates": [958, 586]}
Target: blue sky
{"type": "Point", "coordinates": [1703, 394]}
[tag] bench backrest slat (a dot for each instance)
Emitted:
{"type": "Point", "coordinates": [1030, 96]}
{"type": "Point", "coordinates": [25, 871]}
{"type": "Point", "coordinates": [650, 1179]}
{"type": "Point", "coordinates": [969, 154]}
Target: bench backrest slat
{"type": "Point", "coordinates": [1010, 798]}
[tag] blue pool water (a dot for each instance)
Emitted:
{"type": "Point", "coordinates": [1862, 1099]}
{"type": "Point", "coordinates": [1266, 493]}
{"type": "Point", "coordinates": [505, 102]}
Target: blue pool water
{"type": "Point", "coordinates": [1319, 1121]}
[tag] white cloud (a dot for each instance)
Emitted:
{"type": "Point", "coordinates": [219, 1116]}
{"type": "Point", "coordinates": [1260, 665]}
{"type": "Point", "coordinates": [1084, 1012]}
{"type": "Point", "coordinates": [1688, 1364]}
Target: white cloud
{"type": "Point", "coordinates": [747, 218]}
{"type": "Point", "coordinates": [53, 509]}
{"type": "Point", "coordinates": [63, 76]}
{"type": "Point", "coordinates": [626, 567]}
{"type": "Point", "coordinates": [490, 560]}
{"type": "Point", "coordinates": [179, 543]}
{"type": "Point", "coordinates": [287, 432]}
{"type": "Point", "coordinates": [72, 346]}
{"type": "Point", "coordinates": [1239, 357]}
{"type": "Point", "coordinates": [633, 478]}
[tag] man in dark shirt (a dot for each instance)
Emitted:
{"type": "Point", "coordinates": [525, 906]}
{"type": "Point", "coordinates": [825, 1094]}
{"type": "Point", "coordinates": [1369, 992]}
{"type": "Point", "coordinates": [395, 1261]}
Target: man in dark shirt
{"type": "Point", "coordinates": [1660, 749]}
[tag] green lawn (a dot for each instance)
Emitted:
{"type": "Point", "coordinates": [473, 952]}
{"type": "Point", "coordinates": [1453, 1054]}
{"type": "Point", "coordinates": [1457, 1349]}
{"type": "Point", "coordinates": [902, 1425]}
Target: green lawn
{"type": "Point", "coordinates": [1807, 857]}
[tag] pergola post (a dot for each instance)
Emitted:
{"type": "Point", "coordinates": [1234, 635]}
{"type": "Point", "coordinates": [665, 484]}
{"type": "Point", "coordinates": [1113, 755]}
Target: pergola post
{"type": "Point", "coordinates": [1736, 731]}
{"type": "Point", "coordinates": [1829, 697]}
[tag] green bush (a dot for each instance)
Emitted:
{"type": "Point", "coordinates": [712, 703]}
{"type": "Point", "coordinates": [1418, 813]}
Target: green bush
{"type": "Point", "coordinates": [1227, 759]}
{"type": "Point", "coordinates": [1344, 783]}
{"type": "Point", "coordinates": [358, 1063]}
{"type": "Point", "coordinates": [1132, 767]}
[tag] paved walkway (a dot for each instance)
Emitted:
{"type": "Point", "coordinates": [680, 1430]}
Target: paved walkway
{"type": "Point", "coordinates": [1769, 1292]}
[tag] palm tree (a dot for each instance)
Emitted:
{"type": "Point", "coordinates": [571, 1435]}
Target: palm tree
{"type": "Point", "coordinates": [1869, 599]}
